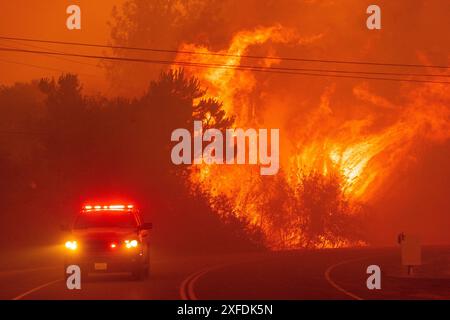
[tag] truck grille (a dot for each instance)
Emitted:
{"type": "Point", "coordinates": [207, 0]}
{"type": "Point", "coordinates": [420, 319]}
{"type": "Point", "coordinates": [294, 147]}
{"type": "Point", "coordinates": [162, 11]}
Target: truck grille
{"type": "Point", "coordinates": [96, 246]}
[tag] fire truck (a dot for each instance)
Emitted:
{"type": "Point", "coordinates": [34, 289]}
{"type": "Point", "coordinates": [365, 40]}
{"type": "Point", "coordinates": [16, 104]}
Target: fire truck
{"type": "Point", "coordinates": [107, 238]}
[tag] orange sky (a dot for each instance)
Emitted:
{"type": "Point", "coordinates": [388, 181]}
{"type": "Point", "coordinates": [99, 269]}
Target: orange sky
{"type": "Point", "coordinates": [412, 24]}
{"type": "Point", "coordinates": [46, 19]}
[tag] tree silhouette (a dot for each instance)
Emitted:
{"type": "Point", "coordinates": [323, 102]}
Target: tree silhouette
{"type": "Point", "coordinates": [210, 111]}
{"type": "Point", "coordinates": [327, 216]}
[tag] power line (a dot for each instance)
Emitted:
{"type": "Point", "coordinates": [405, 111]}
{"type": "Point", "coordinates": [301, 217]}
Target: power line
{"type": "Point", "coordinates": [56, 69]}
{"type": "Point", "coordinates": [278, 70]}
{"type": "Point", "coordinates": [44, 48]}
{"type": "Point", "coordinates": [228, 55]}
{"type": "Point", "coordinates": [32, 65]}
{"type": "Point", "coordinates": [44, 67]}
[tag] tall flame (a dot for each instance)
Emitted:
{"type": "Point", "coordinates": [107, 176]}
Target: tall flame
{"type": "Point", "coordinates": [363, 154]}
{"type": "Point", "coordinates": [232, 88]}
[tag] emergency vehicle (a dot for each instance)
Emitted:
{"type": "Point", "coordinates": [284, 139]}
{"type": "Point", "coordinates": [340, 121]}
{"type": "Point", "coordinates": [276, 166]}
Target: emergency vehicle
{"type": "Point", "coordinates": [109, 238]}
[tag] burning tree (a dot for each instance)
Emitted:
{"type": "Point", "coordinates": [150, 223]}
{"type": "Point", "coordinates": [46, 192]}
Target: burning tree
{"type": "Point", "coordinates": [326, 217]}
{"type": "Point", "coordinates": [312, 212]}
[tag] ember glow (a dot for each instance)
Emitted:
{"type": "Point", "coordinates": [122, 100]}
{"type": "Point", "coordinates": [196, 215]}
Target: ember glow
{"type": "Point", "coordinates": [361, 153]}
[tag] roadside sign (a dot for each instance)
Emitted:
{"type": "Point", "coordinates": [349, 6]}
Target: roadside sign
{"type": "Point", "coordinates": [411, 251]}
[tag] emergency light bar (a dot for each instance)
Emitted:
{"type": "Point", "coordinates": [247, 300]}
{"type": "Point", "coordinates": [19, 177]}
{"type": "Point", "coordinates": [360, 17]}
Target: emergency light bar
{"type": "Point", "coordinates": [113, 207]}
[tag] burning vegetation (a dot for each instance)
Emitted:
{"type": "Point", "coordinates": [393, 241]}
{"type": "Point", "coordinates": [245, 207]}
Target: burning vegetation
{"type": "Point", "coordinates": [332, 165]}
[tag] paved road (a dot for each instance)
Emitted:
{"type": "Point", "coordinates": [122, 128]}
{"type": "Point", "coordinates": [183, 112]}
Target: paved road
{"type": "Point", "coordinates": [308, 274]}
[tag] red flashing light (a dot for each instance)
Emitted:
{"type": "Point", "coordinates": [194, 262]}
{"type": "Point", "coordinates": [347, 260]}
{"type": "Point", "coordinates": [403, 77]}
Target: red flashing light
{"type": "Point", "coordinates": [117, 207]}
{"type": "Point", "coordinates": [112, 207]}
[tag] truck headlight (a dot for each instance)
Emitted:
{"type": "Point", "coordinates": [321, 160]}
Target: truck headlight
{"type": "Point", "coordinates": [71, 245]}
{"type": "Point", "coordinates": [131, 243]}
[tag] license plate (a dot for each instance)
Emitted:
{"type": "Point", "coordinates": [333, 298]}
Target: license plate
{"type": "Point", "coordinates": [100, 266]}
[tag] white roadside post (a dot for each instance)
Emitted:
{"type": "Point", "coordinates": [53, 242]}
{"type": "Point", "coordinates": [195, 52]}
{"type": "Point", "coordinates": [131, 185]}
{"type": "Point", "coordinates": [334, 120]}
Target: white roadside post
{"type": "Point", "coordinates": [411, 252]}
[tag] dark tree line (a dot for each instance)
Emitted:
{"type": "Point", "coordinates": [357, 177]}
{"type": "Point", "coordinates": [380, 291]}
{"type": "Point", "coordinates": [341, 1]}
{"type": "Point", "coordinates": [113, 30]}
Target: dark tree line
{"type": "Point", "coordinates": [60, 148]}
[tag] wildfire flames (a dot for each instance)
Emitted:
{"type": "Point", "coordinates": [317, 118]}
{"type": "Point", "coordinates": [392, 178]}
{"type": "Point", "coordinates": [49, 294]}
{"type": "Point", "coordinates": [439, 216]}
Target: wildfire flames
{"type": "Point", "coordinates": [362, 152]}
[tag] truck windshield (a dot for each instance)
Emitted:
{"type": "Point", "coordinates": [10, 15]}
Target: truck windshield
{"type": "Point", "coordinates": [99, 220]}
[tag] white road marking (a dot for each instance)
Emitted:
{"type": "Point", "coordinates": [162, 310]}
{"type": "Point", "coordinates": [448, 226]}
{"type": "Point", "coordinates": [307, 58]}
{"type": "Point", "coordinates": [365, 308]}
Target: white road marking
{"type": "Point", "coordinates": [20, 296]}
{"type": "Point", "coordinates": [186, 289]}
{"type": "Point", "coordinates": [338, 287]}
{"type": "Point", "coordinates": [187, 286]}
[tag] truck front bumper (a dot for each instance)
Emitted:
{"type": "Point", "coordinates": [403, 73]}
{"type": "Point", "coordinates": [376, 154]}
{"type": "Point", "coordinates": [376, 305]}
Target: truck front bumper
{"type": "Point", "coordinates": [103, 263]}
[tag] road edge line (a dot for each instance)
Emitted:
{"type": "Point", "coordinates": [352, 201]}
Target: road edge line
{"type": "Point", "coordinates": [187, 285]}
{"type": "Point", "coordinates": [20, 296]}
{"type": "Point", "coordinates": [335, 285]}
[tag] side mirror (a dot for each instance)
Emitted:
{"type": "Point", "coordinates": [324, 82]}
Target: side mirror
{"type": "Point", "coordinates": [64, 228]}
{"type": "Point", "coordinates": [146, 226]}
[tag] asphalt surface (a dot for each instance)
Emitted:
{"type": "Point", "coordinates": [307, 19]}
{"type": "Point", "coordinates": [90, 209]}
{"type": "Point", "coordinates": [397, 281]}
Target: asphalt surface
{"type": "Point", "coordinates": [303, 274]}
